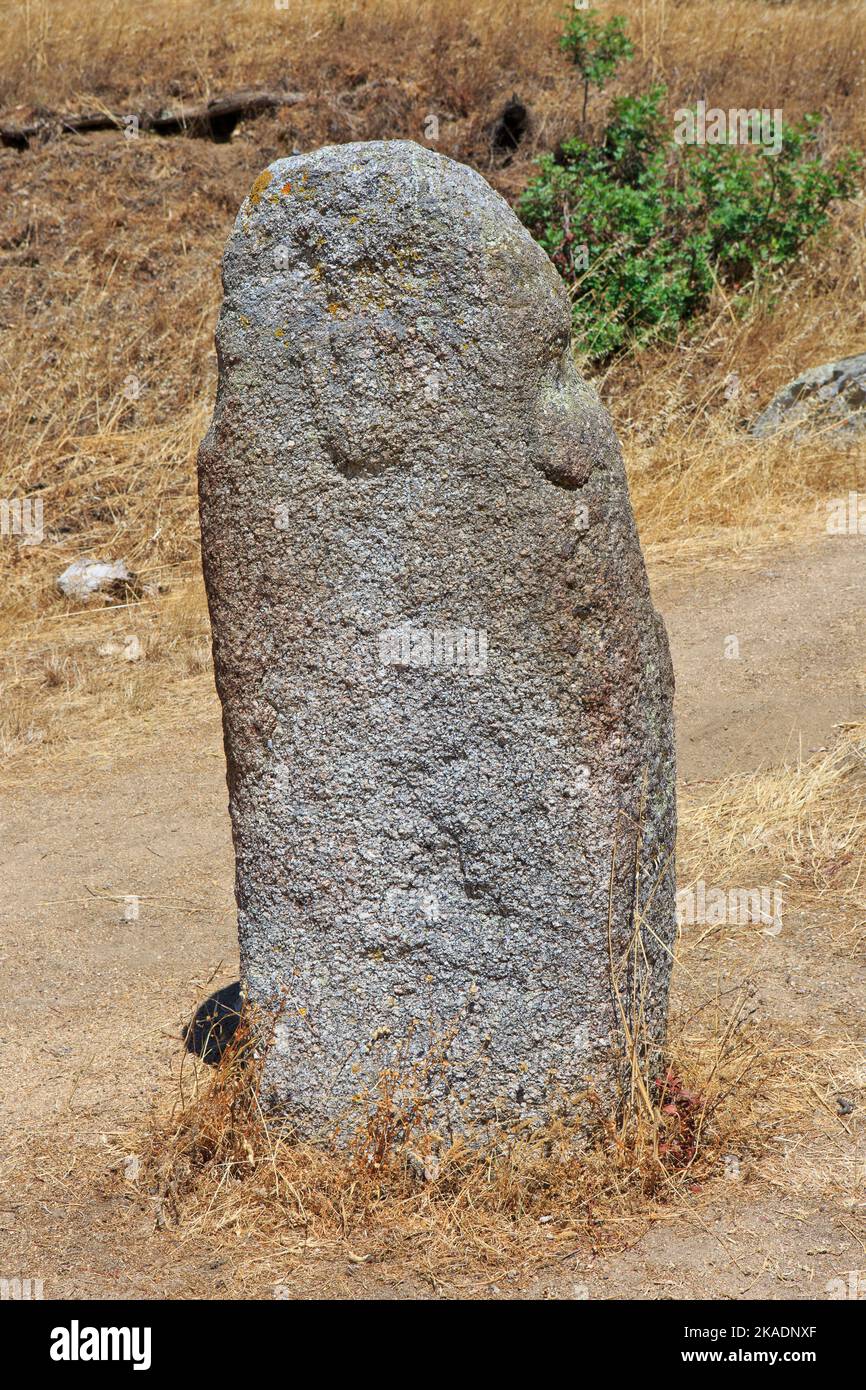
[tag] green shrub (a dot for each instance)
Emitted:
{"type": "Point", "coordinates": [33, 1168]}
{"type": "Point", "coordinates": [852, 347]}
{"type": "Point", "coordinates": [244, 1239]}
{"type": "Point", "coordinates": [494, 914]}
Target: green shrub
{"type": "Point", "coordinates": [642, 228]}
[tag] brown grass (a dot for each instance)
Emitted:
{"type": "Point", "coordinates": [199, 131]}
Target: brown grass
{"type": "Point", "coordinates": [804, 823]}
{"type": "Point", "coordinates": [804, 54]}
{"type": "Point", "coordinates": [398, 1192]}
{"type": "Point", "coordinates": [734, 1090]}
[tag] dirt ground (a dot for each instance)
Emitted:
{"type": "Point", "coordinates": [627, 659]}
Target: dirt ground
{"type": "Point", "coordinates": [118, 918]}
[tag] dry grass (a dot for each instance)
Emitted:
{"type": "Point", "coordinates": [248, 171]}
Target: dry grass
{"type": "Point", "coordinates": [398, 1192]}
{"type": "Point", "coordinates": [703, 490]}
{"type": "Point", "coordinates": [804, 823]}
{"type": "Point", "coordinates": [65, 53]}
{"type": "Point", "coordinates": [799, 829]}
{"type": "Point", "coordinates": [804, 54]}
{"type": "Point", "coordinates": [740, 1102]}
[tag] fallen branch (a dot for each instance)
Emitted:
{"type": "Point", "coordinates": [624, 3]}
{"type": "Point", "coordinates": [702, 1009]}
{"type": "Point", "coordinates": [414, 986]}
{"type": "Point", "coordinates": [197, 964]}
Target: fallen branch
{"type": "Point", "coordinates": [209, 120]}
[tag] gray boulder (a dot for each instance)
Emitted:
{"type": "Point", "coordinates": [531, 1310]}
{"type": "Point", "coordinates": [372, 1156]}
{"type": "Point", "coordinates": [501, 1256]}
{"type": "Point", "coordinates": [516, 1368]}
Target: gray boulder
{"type": "Point", "coordinates": [447, 699]}
{"type": "Point", "coordinates": [831, 398]}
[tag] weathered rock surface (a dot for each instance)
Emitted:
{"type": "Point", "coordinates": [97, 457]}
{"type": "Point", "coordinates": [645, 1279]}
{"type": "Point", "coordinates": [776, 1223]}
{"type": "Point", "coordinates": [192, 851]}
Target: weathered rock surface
{"type": "Point", "coordinates": [831, 398]}
{"type": "Point", "coordinates": [446, 694]}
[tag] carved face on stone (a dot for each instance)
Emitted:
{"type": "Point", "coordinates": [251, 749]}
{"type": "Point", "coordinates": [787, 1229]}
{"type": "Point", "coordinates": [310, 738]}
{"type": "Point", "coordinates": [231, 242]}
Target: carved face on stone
{"type": "Point", "coordinates": [350, 272]}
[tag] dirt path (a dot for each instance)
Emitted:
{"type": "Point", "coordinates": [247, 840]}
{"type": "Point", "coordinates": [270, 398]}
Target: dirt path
{"type": "Point", "coordinates": [118, 918]}
{"type": "Point", "coordinates": [798, 624]}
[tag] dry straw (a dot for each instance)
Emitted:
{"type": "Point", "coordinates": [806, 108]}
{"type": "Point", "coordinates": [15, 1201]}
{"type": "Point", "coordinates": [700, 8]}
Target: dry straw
{"type": "Point", "coordinates": [394, 1190]}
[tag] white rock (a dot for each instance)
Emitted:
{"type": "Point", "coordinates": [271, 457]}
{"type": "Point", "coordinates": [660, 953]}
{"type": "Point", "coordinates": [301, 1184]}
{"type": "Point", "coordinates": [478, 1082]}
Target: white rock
{"type": "Point", "coordinates": [130, 649]}
{"type": "Point", "coordinates": [85, 579]}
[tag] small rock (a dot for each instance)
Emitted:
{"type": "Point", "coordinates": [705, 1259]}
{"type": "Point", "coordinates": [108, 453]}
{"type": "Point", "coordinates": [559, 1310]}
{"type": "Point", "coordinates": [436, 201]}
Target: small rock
{"type": "Point", "coordinates": [87, 579]}
{"type": "Point", "coordinates": [831, 397]}
{"type": "Point", "coordinates": [130, 649]}
{"type": "Point", "coordinates": [214, 1024]}
{"type": "Point", "coordinates": [844, 1105]}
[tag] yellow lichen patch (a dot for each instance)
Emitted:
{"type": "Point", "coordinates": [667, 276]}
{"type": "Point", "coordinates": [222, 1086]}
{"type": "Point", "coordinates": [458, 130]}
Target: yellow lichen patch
{"type": "Point", "coordinates": [406, 256]}
{"type": "Point", "coordinates": [258, 188]}
{"type": "Point", "coordinates": [286, 188]}
{"type": "Point", "coordinates": [278, 333]}
{"type": "Point", "coordinates": [243, 321]}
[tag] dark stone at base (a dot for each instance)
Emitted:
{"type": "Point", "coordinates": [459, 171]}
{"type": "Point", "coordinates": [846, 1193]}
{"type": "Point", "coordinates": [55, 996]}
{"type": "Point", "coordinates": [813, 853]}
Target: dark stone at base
{"type": "Point", "coordinates": [214, 1024]}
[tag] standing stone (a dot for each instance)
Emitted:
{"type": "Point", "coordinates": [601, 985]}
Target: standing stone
{"type": "Point", "coordinates": [446, 694]}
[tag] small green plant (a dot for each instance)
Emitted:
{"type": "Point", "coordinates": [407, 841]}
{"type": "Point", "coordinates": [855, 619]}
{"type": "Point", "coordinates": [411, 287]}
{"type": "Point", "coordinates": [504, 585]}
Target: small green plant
{"type": "Point", "coordinates": [642, 228]}
{"type": "Point", "coordinates": [595, 49]}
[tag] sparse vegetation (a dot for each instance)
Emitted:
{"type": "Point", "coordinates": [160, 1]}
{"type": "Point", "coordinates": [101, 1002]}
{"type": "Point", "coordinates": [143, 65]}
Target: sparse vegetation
{"type": "Point", "coordinates": [394, 1190]}
{"type": "Point", "coordinates": [595, 49]}
{"type": "Point", "coordinates": [659, 226]}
